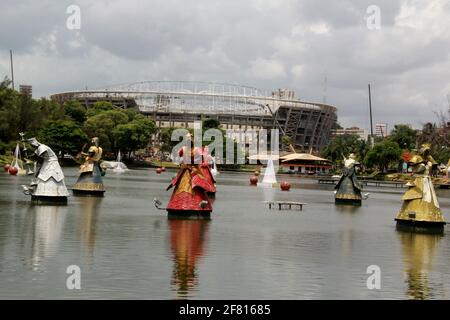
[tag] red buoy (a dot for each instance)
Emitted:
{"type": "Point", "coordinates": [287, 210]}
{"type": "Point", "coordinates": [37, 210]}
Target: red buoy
{"type": "Point", "coordinates": [163, 169]}
{"type": "Point", "coordinates": [6, 167]}
{"type": "Point", "coordinates": [285, 186]}
{"type": "Point", "coordinates": [158, 171]}
{"type": "Point", "coordinates": [13, 171]}
{"type": "Point", "coordinates": [253, 180]}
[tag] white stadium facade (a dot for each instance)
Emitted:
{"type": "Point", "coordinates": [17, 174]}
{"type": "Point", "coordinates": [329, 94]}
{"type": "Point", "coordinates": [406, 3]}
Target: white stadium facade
{"type": "Point", "coordinates": [181, 103]}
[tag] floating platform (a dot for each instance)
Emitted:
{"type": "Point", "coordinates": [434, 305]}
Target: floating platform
{"type": "Point", "coordinates": [420, 226]}
{"type": "Point", "coordinates": [373, 183]}
{"type": "Point", "coordinates": [88, 193]}
{"type": "Point", "coordinates": [353, 202]}
{"type": "Point", "coordinates": [285, 205]}
{"type": "Point", "coordinates": [49, 200]}
{"type": "Point", "coordinates": [189, 214]}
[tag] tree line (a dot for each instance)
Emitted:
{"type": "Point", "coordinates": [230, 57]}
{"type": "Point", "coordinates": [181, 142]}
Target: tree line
{"type": "Point", "coordinates": [67, 127]}
{"type": "Point", "coordinates": [392, 151]}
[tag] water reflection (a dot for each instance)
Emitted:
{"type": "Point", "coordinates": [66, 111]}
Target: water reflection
{"type": "Point", "coordinates": [88, 212]}
{"type": "Point", "coordinates": [187, 239]}
{"type": "Point", "coordinates": [347, 235]}
{"type": "Point", "coordinates": [42, 234]}
{"type": "Point", "coordinates": [268, 193]}
{"type": "Point", "coordinates": [418, 253]}
{"type": "Point", "coordinates": [342, 208]}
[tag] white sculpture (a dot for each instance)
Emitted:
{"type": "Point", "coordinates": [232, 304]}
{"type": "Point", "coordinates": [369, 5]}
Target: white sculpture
{"type": "Point", "coordinates": [48, 181]}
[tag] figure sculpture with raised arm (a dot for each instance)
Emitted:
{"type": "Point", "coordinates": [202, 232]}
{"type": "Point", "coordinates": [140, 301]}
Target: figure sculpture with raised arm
{"type": "Point", "coordinates": [90, 181]}
{"type": "Point", "coordinates": [47, 185]}
{"type": "Point", "coordinates": [348, 189]}
{"type": "Point", "coordinates": [189, 198]}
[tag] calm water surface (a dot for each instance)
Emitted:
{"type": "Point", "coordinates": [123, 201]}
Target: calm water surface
{"type": "Point", "coordinates": [126, 248]}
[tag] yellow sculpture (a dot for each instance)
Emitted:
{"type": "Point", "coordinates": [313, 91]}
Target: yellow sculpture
{"type": "Point", "coordinates": [90, 181]}
{"type": "Point", "coordinates": [420, 205]}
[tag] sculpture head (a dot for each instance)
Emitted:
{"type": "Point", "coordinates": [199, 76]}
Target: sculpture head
{"type": "Point", "coordinates": [425, 149]}
{"type": "Point", "coordinates": [34, 142]}
{"type": "Point", "coordinates": [94, 141]}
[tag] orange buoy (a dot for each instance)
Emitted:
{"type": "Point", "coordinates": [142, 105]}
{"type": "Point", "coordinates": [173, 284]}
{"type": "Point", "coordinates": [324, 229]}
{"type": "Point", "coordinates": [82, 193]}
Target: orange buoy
{"type": "Point", "coordinates": [253, 180]}
{"type": "Point", "coordinates": [285, 186]}
{"type": "Point", "coordinates": [13, 171]}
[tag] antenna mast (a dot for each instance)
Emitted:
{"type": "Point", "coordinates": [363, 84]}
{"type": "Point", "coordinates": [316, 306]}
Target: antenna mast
{"type": "Point", "coordinates": [12, 68]}
{"type": "Point", "coordinates": [370, 110]}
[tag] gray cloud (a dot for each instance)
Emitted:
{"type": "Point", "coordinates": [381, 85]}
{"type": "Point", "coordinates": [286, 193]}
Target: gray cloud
{"type": "Point", "coordinates": [260, 43]}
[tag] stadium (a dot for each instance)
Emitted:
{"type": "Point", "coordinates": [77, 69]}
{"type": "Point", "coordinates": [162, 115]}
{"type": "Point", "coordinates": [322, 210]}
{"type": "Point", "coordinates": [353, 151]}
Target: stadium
{"type": "Point", "coordinates": [180, 103]}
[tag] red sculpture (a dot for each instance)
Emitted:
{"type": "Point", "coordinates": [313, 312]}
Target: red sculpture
{"type": "Point", "coordinates": [191, 186]}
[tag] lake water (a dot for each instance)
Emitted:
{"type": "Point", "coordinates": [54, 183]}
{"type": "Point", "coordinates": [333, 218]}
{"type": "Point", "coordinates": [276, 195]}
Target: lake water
{"type": "Point", "coordinates": [126, 248]}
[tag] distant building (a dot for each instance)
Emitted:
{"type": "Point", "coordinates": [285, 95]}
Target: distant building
{"type": "Point", "coordinates": [304, 163]}
{"type": "Point", "coordinates": [350, 131]}
{"type": "Point", "coordinates": [26, 90]}
{"type": "Point", "coordinates": [182, 103]}
{"type": "Point", "coordinates": [381, 130]}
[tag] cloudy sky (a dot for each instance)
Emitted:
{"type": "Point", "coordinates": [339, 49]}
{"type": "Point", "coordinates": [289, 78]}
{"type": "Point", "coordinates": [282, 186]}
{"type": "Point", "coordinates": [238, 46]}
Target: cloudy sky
{"type": "Point", "coordinates": [267, 44]}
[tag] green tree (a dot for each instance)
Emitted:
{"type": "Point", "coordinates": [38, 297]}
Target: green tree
{"type": "Point", "coordinates": [165, 141]}
{"type": "Point", "coordinates": [65, 136]}
{"type": "Point", "coordinates": [210, 124]}
{"type": "Point", "coordinates": [5, 83]}
{"type": "Point", "coordinates": [19, 113]}
{"type": "Point", "coordinates": [441, 155]}
{"type": "Point", "coordinates": [341, 146]}
{"type": "Point", "coordinates": [9, 100]}
{"type": "Point", "coordinates": [102, 125]}
{"type": "Point", "coordinates": [286, 141]}
{"type": "Point", "coordinates": [133, 135]}
{"type": "Point", "coordinates": [383, 154]}
{"type": "Point", "coordinates": [99, 107]}
{"type": "Point", "coordinates": [75, 110]}
{"type": "Point", "coordinates": [404, 135]}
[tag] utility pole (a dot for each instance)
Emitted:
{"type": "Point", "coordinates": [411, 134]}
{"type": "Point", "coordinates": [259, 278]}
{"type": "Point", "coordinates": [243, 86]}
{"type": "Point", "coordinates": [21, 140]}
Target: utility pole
{"type": "Point", "coordinates": [371, 123]}
{"type": "Point", "coordinates": [12, 68]}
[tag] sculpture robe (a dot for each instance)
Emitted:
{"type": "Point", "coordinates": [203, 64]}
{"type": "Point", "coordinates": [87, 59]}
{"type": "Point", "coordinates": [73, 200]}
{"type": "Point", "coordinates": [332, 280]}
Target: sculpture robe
{"type": "Point", "coordinates": [49, 180]}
